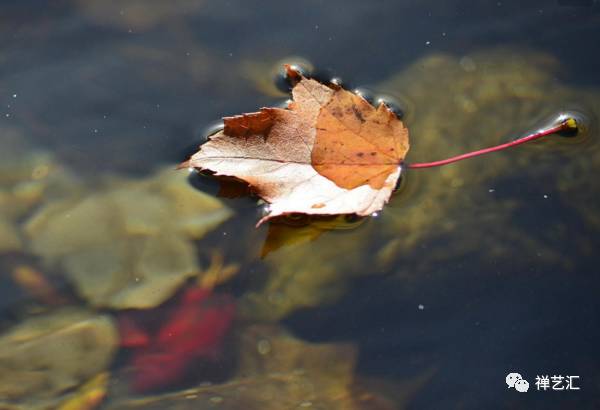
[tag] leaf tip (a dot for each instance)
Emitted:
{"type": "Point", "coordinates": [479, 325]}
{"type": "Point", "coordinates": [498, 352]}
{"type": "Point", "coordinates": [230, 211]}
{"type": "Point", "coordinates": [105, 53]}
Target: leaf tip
{"type": "Point", "coordinates": [293, 74]}
{"type": "Point", "coordinates": [184, 164]}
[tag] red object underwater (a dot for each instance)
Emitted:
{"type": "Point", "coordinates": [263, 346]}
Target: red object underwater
{"type": "Point", "coordinates": [192, 332]}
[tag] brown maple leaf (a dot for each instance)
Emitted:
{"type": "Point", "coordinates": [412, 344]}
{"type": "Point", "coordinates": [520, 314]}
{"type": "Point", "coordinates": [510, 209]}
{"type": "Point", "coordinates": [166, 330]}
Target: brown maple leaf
{"type": "Point", "coordinates": [329, 152]}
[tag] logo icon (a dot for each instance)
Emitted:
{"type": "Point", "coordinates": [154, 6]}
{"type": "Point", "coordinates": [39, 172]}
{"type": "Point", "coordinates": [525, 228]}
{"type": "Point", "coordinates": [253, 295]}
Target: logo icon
{"type": "Point", "coordinates": [518, 382]}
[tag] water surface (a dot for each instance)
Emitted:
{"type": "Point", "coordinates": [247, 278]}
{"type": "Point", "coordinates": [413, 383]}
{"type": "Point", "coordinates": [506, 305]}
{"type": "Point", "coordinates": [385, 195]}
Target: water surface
{"type": "Point", "coordinates": [473, 271]}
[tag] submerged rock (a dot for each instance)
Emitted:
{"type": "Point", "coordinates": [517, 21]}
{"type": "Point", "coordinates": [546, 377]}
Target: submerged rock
{"type": "Point", "coordinates": [276, 371]}
{"type": "Point", "coordinates": [27, 176]}
{"type": "Point", "coordinates": [10, 239]}
{"type": "Point", "coordinates": [129, 245]}
{"type": "Point", "coordinates": [89, 395]}
{"type": "Point", "coordinates": [461, 104]}
{"type": "Point", "coordinates": [306, 274]}
{"type": "Point", "coordinates": [47, 356]}
{"type": "Point", "coordinates": [453, 105]}
{"type": "Point", "coordinates": [577, 184]}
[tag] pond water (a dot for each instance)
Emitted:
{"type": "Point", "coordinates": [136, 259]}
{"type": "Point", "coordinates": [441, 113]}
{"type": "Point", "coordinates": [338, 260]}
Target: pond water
{"type": "Point", "coordinates": [125, 283]}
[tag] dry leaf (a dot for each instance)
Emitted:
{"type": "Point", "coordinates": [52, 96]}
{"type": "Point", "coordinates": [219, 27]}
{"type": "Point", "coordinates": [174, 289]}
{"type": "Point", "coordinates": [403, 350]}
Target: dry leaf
{"type": "Point", "coordinates": [330, 152]}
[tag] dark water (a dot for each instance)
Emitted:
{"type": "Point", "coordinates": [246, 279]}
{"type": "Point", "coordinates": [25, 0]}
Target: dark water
{"type": "Point", "coordinates": [502, 276]}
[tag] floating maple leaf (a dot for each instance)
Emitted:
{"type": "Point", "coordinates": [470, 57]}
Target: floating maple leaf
{"type": "Point", "coordinates": [329, 152]}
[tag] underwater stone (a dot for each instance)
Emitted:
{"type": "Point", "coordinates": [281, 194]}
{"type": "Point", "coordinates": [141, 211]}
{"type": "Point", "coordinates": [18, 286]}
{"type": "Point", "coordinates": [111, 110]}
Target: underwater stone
{"type": "Point", "coordinates": [27, 176]}
{"type": "Point", "coordinates": [9, 237]}
{"type": "Point", "coordinates": [289, 376]}
{"type": "Point", "coordinates": [46, 356]}
{"type": "Point", "coordinates": [128, 245]}
{"type": "Point", "coordinates": [453, 110]}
